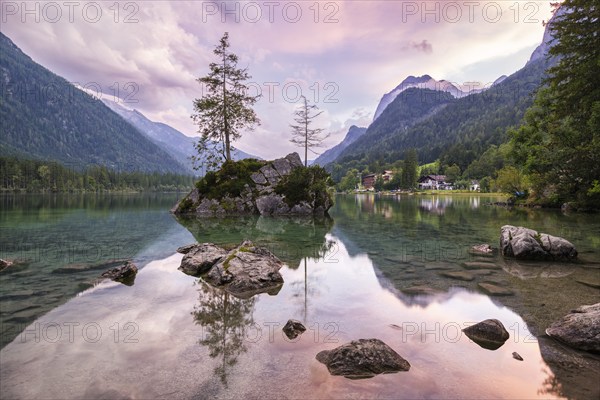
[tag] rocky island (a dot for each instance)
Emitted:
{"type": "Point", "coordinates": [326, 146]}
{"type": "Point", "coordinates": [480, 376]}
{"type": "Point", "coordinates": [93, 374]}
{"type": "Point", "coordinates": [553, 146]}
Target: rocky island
{"type": "Point", "coordinates": [279, 187]}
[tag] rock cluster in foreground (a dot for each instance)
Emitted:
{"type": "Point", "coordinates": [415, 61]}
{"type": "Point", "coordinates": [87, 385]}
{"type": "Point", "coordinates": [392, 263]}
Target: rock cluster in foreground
{"type": "Point", "coordinates": [579, 329]}
{"type": "Point", "coordinates": [244, 271]}
{"type": "Point", "coordinates": [527, 244]}
{"type": "Point", "coordinates": [363, 358]}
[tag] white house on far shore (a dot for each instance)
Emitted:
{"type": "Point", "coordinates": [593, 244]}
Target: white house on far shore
{"type": "Point", "coordinates": [434, 182]}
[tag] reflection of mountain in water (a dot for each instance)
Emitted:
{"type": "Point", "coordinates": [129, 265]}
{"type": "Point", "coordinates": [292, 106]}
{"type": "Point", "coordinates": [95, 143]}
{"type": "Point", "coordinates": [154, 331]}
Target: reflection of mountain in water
{"type": "Point", "coordinates": [414, 248]}
{"type": "Point", "coordinates": [289, 238]}
{"type": "Point", "coordinates": [225, 320]}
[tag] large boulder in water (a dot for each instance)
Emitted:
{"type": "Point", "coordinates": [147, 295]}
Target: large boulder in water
{"type": "Point", "coordinates": [363, 358]}
{"type": "Point", "coordinates": [489, 334]}
{"type": "Point", "coordinates": [200, 258]}
{"type": "Point", "coordinates": [527, 244]}
{"type": "Point", "coordinates": [579, 329]}
{"type": "Point", "coordinates": [247, 270]}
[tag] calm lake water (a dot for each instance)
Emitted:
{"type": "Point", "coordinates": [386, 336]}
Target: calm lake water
{"type": "Point", "coordinates": [375, 269]}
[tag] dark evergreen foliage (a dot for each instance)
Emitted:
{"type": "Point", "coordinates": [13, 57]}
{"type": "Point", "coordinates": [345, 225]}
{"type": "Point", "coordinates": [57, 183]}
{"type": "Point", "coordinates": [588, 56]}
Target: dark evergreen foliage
{"type": "Point", "coordinates": [21, 175]}
{"type": "Point", "coordinates": [456, 131]}
{"type": "Point", "coordinates": [45, 117]}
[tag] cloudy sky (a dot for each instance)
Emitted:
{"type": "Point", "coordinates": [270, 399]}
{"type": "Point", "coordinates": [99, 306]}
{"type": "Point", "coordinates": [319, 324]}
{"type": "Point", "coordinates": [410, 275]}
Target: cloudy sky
{"type": "Point", "coordinates": [342, 55]}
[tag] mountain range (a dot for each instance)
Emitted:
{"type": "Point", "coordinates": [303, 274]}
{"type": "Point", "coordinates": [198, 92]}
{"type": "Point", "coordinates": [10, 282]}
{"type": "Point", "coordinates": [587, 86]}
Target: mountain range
{"type": "Point", "coordinates": [330, 155]}
{"type": "Point", "coordinates": [440, 120]}
{"type": "Point", "coordinates": [177, 144]}
{"type": "Point", "coordinates": [45, 117]}
{"type": "Point", "coordinates": [421, 82]}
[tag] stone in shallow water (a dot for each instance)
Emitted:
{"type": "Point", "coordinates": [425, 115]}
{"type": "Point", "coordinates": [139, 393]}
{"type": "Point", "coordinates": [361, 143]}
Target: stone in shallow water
{"type": "Point", "coordinates": [439, 267]}
{"type": "Point", "coordinates": [489, 334]}
{"type": "Point", "coordinates": [200, 258]}
{"type": "Point", "coordinates": [293, 329]}
{"type": "Point", "coordinates": [421, 290]}
{"type": "Point", "coordinates": [594, 284]}
{"type": "Point", "coordinates": [517, 356]}
{"type": "Point", "coordinates": [482, 249]}
{"type": "Point", "coordinates": [246, 271]}
{"type": "Point", "coordinates": [579, 329]}
{"type": "Point", "coordinates": [5, 264]}
{"type": "Point", "coordinates": [124, 274]}
{"type": "Point", "coordinates": [494, 290]}
{"type": "Point", "coordinates": [363, 358]}
{"type": "Point", "coordinates": [83, 267]}
{"type": "Point", "coordinates": [527, 244]}
{"type": "Point", "coordinates": [460, 275]}
{"type": "Point", "coordinates": [480, 264]}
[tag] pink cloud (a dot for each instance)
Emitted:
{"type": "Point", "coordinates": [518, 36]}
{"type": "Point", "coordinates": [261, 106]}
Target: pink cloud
{"type": "Point", "coordinates": [363, 48]}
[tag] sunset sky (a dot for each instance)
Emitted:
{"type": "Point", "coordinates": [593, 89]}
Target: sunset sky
{"type": "Point", "coordinates": [344, 55]}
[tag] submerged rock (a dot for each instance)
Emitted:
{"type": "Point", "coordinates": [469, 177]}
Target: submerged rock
{"type": "Point", "coordinates": [494, 290]}
{"type": "Point", "coordinates": [489, 334]}
{"type": "Point", "coordinates": [421, 290]}
{"type": "Point", "coordinates": [363, 358]}
{"type": "Point", "coordinates": [527, 244]}
{"type": "Point", "coordinates": [124, 274]}
{"type": "Point", "coordinates": [480, 265]}
{"type": "Point", "coordinates": [14, 265]}
{"type": "Point", "coordinates": [83, 267]}
{"type": "Point", "coordinates": [200, 258]}
{"type": "Point", "coordinates": [460, 275]}
{"type": "Point", "coordinates": [590, 283]}
{"type": "Point", "coordinates": [5, 264]}
{"type": "Point", "coordinates": [579, 329]}
{"type": "Point", "coordinates": [247, 270]}
{"type": "Point", "coordinates": [482, 249]}
{"type": "Point", "coordinates": [293, 329]}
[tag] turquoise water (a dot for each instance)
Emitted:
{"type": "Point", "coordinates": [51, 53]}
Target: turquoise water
{"type": "Point", "coordinates": [67, 334]}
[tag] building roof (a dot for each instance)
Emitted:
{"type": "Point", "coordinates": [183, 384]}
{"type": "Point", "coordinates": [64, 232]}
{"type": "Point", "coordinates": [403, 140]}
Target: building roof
{"type": "Point", "coordinates": [437, 178]}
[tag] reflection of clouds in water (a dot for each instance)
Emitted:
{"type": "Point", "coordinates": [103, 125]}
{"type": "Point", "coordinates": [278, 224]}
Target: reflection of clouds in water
{"type": "Point", "coordinates": [349, 296]}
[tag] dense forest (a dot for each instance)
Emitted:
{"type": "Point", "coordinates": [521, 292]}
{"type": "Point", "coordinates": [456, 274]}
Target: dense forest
{"type": "Point", "coordinates": [536, 135]}
{"type": "Point", "coordinates": [439, 127]}
{"type": "Point", "coordinates": [46, 117]}
{"type": "Point", "coordinates": [19, 175]}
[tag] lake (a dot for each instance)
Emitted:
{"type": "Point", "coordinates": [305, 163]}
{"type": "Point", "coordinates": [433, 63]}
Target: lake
{"type": "Point", "coordinates": [378, 268]}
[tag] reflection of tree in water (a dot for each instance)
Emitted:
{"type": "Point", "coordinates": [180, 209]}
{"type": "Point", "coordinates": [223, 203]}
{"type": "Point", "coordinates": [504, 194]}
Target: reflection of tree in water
{"type": "Point", "coordinates": [224, 319]}
{"type": "Point", "coordinates": [305, 289]}
{"type": "Point", "coordinates": [289, 238]}
{"type": "Point", "coordinates": [551, 385]}
{"type": "Point", "coordinates": [309, 286]}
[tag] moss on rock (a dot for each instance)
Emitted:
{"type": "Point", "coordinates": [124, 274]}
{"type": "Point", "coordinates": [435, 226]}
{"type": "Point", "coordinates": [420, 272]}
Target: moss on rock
{"type": "Point", "coordinates": [278, 187]}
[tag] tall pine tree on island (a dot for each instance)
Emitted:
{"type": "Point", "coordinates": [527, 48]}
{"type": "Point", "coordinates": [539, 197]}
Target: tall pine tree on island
{"type": "Point", "coordinates": [558, 146]}
{"type": "Point", "coordinates": [225, 109]}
